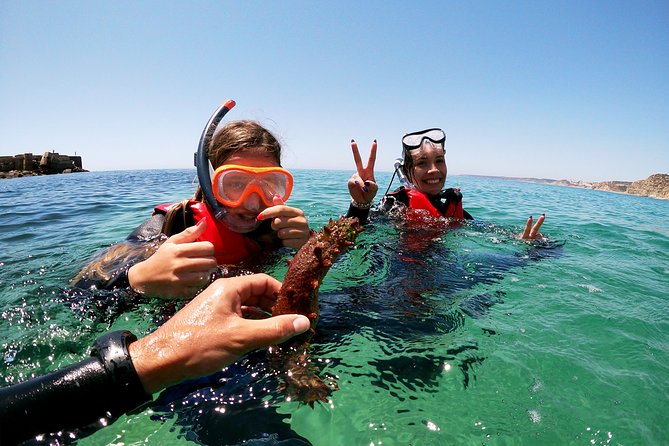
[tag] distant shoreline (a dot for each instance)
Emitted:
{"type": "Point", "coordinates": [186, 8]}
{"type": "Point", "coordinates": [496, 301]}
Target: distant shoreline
{"type": "Point", "coordinates": [655, 186]}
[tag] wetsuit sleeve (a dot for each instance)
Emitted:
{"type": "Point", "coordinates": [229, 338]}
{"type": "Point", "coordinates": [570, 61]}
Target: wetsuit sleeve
{"type": "Point", "coordinates": [77, 396]}
{"type": "Point", "coordinates": [360, 214]}
{"type": "Point", "coordinates": [149, 229]}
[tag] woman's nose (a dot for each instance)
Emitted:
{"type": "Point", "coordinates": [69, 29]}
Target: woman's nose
{"type": "Point", "coordinates": [252, 202]}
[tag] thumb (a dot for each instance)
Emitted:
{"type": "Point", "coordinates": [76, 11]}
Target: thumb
{"type": "Point", "coordinates": [277, 329]}
{"type": "Point", "coordinates": [189, 234]}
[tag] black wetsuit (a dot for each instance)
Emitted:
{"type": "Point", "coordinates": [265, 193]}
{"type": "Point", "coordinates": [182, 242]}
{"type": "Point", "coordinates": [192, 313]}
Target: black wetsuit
{"type": "Point", "coordinates": [81, 395]}
{"type": "Point", "coordinates": [78, 396]}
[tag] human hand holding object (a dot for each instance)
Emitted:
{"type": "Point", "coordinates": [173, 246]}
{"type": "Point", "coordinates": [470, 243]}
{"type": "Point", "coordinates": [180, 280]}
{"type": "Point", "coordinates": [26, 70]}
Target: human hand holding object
{"type": "Point", "coordinates": [210, 332]}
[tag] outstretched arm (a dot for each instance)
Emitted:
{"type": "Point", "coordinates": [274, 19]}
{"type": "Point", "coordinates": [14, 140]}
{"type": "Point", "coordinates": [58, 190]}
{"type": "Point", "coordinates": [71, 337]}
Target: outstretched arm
{"type": "Point", "coordinates": [209, 333]}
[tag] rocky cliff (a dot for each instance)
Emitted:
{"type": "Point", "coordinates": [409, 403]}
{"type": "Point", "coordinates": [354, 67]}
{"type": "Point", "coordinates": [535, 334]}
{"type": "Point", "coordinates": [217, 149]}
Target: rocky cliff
{"type": "Point", "coordinates": [655, 186]}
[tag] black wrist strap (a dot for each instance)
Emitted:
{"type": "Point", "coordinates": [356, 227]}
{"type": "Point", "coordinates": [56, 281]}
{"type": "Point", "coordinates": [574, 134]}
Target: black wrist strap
{"type": "Point", "coordinates": [360, 214]}
{"type": "Point", "coordinates": [112, 350]}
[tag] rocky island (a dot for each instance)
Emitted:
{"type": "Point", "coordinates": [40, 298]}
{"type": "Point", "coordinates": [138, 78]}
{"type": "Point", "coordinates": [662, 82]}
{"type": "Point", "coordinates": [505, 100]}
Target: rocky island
{"type": "Point", "coordinates": [655, 186]}
{"type": "Point", "coordinates": [48, 163]}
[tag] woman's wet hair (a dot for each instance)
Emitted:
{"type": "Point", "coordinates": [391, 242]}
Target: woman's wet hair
{"type": "Point", "coordinates": [107, 263]}
{"type": "Point", "coordinates": [407, 164]}
{"type": "Point", "coordinates": [242, 136]}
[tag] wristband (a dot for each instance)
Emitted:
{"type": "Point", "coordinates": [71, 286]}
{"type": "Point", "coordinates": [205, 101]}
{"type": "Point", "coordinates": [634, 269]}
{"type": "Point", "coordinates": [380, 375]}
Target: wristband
{"type": "Point", "coordinates": [112, 350]}
{"type": "Point", "coordinates": [355, 204]}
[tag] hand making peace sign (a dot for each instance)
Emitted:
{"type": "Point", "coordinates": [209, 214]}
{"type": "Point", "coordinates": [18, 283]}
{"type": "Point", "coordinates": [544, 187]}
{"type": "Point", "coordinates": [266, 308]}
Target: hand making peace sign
{"type": "Point", "coordinates": [362, 185]}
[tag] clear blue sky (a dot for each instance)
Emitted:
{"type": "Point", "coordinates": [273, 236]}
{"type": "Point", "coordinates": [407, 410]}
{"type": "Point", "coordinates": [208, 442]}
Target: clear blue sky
{"type": "Point", "coordinates": [568, 89]}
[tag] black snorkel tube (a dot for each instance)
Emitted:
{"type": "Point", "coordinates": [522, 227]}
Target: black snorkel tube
{"type": "Point", "coordinates": [202, 160]}
{"type": "Point", "coordinates": [399, 162]}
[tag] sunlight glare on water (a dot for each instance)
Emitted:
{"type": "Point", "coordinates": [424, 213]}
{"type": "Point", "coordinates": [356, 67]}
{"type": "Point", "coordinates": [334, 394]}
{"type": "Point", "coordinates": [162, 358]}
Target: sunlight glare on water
{"type": "Point", "coordinates": [434, 336]}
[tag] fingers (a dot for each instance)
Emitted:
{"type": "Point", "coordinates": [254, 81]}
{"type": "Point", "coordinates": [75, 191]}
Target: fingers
{"type": "Point", "coordinates": [277, 329]}
{"type": "Point", "coordinates": [290, 224]}
{"type": "Point", "coordinates": [531, 231]}
{"type": "Point", "coordinates": [528, 228]}
{"type": "Point", "coordinates": [188, 257]}
{"type": "Point", "coordinates": [368, 170]}
{"type": "Point", "coordinates": [257, 290]}
{"type": "Point", "coordinates": [356, 156]}
{"type": "Point", "coordinates": [534, 233]}
{"type": "Point", "coordinates": [189, 234]}
{"type": "Point", "coordinates": [372, 157]}
{"type": "Point", "coordinates": [280, 210]}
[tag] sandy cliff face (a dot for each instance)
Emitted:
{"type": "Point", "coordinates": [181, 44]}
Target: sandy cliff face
{"type": "Point", "coordinates": [655, 186]}
{"type": "Point", "coordinates": [612, 186]}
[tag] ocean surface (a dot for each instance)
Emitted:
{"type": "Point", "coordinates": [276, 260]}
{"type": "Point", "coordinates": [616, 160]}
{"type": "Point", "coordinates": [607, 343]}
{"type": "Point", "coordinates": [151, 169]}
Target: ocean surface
{"type": "Point", "coordinates": [435, 335]}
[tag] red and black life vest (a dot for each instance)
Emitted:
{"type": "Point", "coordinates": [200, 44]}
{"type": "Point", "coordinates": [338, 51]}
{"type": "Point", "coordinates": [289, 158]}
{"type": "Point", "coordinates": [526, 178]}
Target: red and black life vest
{"type": "Point", "coordinates": [230, 247]}
{"type": "Point", "coordinates": [452, 207]}
{"type": "Point", "coordinates": [418, 200]}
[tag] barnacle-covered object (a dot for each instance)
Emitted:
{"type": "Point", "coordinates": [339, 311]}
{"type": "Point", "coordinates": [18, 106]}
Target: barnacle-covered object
{"type": "Point", "coordinates": [299, 295]}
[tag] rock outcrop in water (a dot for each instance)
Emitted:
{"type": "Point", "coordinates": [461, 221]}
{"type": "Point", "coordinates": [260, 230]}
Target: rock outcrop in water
{"type": "Point", "coordinates": [49, 163]}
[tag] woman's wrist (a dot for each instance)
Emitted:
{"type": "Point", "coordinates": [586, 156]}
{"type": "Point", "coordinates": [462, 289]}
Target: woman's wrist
{"type": "Point", "coordinates": [155, 363]}
{"type": "Point", "coordinates": [359, 205]}
{"type": "Point", "coordinates": [133, 274]}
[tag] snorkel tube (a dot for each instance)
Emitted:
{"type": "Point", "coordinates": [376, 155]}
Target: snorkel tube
{"type": "Point", "coordinates": [202, 160]}
{"type": "Point", "coordinates": [399, 162]}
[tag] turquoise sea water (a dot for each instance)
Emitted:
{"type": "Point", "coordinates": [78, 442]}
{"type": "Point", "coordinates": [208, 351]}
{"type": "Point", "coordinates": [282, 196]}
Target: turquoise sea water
{"type": "Point", "coordinates": [460, 336]}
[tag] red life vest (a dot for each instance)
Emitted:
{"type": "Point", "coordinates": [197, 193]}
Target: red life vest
{"type": "Point", "coordinates": [230, 247]}
{"type": "Point", "coordinates": [418, 200]}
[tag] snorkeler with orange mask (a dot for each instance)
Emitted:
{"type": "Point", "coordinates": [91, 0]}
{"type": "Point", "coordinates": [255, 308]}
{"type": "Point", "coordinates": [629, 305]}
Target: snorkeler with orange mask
{"type": "Point", "coordinates": [234, 216]}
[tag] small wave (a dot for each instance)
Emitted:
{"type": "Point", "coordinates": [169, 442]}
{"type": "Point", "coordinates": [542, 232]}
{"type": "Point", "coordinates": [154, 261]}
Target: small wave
{"type": "Point", "coordinates": [590, 288]}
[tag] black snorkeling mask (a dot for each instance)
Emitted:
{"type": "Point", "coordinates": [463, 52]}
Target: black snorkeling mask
{"type": "Point", "coordinates": [202, 160]}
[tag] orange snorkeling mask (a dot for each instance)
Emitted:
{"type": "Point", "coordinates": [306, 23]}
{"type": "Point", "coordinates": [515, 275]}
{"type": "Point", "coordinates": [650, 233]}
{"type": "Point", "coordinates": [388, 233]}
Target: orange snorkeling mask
{"type": "Point", "coordinates": [233, 184]}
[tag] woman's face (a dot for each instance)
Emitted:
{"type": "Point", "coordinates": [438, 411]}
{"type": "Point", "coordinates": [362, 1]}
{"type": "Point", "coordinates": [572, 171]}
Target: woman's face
{"type": "Point", "coordinates": [242, 218]}
{"type": "Point", "coordinates": [429, 170]}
